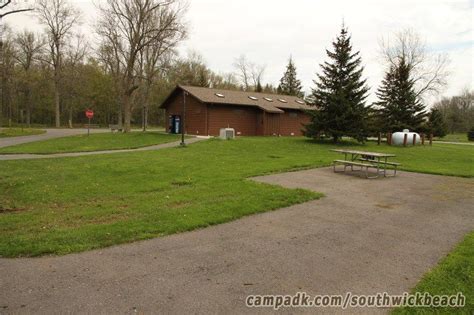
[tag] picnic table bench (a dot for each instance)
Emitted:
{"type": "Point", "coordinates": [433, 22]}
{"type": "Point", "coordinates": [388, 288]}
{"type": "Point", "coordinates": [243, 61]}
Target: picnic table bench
{"type": "Point", "coordinates": [366, 160]}
{"type": "Point", "coordinates": [115, 128]}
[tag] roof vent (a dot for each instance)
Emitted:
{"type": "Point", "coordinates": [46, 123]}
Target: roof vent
{"type": "Point", "coordinates": [220, 95]}
{"type": "Point", "coordinates": [268, 99]}
{"type": "Point", "coordinates": [300, 102]}
{"type": "Point", "coordinates": [282, 100]}
{"type": "Point", "coordinates": [253, 98]}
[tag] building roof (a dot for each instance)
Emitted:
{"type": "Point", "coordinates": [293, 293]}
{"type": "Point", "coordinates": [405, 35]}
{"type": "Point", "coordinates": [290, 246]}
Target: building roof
{"type": "Point", "coordinates": [272, 103]}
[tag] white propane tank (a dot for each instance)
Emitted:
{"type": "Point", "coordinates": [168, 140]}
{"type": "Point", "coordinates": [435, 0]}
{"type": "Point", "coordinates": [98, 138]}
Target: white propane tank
{"type": "Point", "coordinates": [398, 137]}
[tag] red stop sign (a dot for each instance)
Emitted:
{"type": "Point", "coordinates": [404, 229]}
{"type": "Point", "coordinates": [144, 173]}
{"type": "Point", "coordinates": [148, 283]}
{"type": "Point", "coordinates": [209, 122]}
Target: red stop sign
{"type": "Point", "coordinates": [89, 113]}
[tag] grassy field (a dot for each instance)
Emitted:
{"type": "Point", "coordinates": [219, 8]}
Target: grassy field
{"type": "Point", "coordinates": [17, 132]}
{"type": "Point", "coordinates": [454, 274]}
{"type": "Point", "coordinates": [94, 142]}
{"type": "Point", "coordinates": [74, 204]}
{"type": "Point", "coordinates": [454, 137]}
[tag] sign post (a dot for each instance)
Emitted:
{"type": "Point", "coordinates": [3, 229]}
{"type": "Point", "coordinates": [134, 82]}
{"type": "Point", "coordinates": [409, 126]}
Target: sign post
{"type": "Point", "coordinates": [89, 115]}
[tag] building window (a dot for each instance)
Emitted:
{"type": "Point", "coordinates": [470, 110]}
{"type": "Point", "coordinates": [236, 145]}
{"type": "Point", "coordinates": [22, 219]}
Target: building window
{"type": "Point", "coordinates": [238, 112]}
{"type": "Point", "coordinates": [294, 115]}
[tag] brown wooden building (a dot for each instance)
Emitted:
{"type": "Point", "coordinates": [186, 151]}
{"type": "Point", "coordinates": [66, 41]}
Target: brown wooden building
{"type": "Point", "coordinates": [249, 113]}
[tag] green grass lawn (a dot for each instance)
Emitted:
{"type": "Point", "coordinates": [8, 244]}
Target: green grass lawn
{"type": "Point", "coordinates": [94, 142]}
{"type": "Point", "coordinates": [454, 274]}
{"type": "Point", "coordinates": [59, 206]}
{"type": "Point", "coordinates": [17, 132]}
{"type": "Point", "coordinates": [454, 137]}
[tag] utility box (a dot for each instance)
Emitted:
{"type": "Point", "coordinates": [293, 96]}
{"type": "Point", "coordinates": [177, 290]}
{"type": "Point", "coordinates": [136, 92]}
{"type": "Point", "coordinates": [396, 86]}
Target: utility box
{"type": "Point", "coordinates": [227, 133]}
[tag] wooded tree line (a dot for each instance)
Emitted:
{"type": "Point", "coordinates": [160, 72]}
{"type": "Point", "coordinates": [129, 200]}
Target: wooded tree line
{"type": "Point", "coordinates": [457, 112]}
{"type": "Point", "coordinates": [53, 76]}
{"type": "Point", "coordinates": [340, 92]}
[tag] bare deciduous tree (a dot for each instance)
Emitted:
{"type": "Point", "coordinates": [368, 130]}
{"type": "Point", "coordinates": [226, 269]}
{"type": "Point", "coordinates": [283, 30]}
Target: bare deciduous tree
{"type": "Point", "coordinates": [151, 61]}
{"type": "Point", "coordinates": [243, 73]}
{"type": "Point", "coordinates": [7, 74]}
{"type": "Point", "coordinates": [29, 47]}
{"type": "Point", "coordinates": [109, 56]}
{"type": "Point", "coordinates": [223, 81]}
{"type": "Point", "coordinates": [249, 73]}
{"type": "Point", "coordinates": [134, 25]}
{"type": "Point", "coordinates": [73, 59]}
{"type": "Point", "coordinates": [429, 70]}
{"type": "Point", "coordinates": [7, 7]}
{"type": "Point", "coordinates": [59, 18]}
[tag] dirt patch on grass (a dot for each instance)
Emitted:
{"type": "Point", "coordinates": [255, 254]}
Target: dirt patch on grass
{"type": "Point", "coordinates": [386, 205]}
{"type": "Point", "coordinates": [11, 210]}
{"type": "Point", "coordinates": [179, 204]}
{"type": "Point", "coordinates": [180, 183]}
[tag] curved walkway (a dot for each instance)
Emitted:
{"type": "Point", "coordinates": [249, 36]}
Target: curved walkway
{"type": "Point", "coordinates": [365, 236]}
{"type": "Point", "coordinates": [50, 134]}
{"type": "Point", "coordinates": [7, 157]}
{"type": "Point", "coordinates": [451, 142]}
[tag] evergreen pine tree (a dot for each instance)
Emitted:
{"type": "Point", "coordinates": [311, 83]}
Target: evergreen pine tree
{"type": "Point", "coordinates": [398, 105]}
{"type": "Point", "coordinates": [340, 93]}
{"type": "Point", "coordinates": [269, 89]}
{"type": "Point", "coordinates": [436, 124]}
{"type": "Point", "coordinates": [258, 87]}
{"type": "Point", "coordinates": [289, 84]}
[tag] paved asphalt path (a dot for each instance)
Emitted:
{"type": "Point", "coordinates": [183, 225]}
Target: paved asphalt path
{"type": "Point", "coordinates": [50, 134]}
{"type": "Point", "coordinates": [451, 142]}
{"type": "Point", "coordinates": [7, 157]}
{"type": "Point", "coordinates": [365, 236]}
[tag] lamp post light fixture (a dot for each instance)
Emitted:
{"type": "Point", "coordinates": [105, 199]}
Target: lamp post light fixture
{"type": "Point", "coordinates": [183, 119]}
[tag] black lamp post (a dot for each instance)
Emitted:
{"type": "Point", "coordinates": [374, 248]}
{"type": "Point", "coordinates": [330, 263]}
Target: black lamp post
{"type": "Point", "coordinates": [183, 122]}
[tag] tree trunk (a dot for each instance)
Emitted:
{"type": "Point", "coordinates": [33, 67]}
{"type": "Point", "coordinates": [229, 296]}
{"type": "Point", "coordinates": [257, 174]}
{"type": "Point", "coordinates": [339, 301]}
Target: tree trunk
{"type": "Point", "coordinates": [70, 117]}
{"type": "Point", "coordinates": [10, 109]}
{"type": "Point", "coordinates": [120, 117]}
{"type": "Point", "coordinates": [28, 108]}
{"type": "Point", "coordinates": [145, 118]}
{"type": "Point", "coordinates": [56, 103]}
{"type": "Point", "coordinates": [120, 111]}
{"type": "Point", "coordinates": [127, 113]}
{"type": "Point", "coordinates": [3, 79]}
{"type": "Point", "coordinates": [28, 116]}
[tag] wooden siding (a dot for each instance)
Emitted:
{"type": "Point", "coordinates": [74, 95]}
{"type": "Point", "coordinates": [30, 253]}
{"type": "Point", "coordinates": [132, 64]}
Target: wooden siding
{"type": "Point", "coordinates": [292, 121]}
{"type": "Point", "coordinates": [196, 122]}
{"type": "Point", "coordinates": [242, 118]}
{"type": "Point", "coordinates": [208, 119]}
{"type": "Point", "coordinates": [272, 124]}
{"type": "Point", "coordinates": [260, 127]}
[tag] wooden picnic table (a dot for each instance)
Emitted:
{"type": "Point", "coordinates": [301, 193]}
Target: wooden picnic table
{"type": "Point", "coordinates": [365, 159]}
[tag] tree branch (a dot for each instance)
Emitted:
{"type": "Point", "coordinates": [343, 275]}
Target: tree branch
{"type": "Point", "coordinates": [14, 11]}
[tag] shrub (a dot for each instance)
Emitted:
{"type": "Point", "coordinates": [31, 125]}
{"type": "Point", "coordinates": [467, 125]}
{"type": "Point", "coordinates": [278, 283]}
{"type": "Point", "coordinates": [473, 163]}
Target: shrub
{"type": "Point", "coordinates": [470, 134]}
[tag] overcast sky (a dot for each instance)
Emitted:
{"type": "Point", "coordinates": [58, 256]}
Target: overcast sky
{"type": "Point", "coordinates": [269, 31]}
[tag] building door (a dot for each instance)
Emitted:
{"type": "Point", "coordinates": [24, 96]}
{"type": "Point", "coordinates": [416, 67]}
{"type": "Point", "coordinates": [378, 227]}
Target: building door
{"type": "Point", "coordinates": [260, 127]}
{"type": "Point", "coordinates": [273, 124]}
